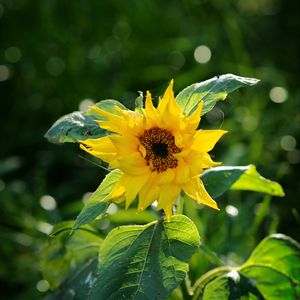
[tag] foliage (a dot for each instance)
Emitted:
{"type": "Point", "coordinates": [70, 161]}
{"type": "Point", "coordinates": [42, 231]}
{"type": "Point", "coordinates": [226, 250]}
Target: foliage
{"type": "Point", "coordinates": [55, 54]}
{"type": "Point", "coordinates": [151, 261]}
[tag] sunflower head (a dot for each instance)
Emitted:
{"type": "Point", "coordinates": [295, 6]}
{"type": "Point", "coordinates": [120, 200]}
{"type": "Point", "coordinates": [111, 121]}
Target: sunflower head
{"type": "Point", "coordinates": [159, 151]}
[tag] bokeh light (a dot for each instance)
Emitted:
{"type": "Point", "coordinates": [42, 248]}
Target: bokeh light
{"type": "Point", "coordinates": [202, 54]}
{"type": "Point", "coordinates": [42, 286]}
{"type": "Point", "coordinates": [4, 72]}
{"type": "Point", "coordinates": [48, 202]}
{"type": "Point", "coordinates": [13, 54]}
{"type": "Point", "coordinates": [278, 94]}
{"type": "Point", "coordinates": [85, 104]}
{"type": "Point", "coordinates": [288, 143]}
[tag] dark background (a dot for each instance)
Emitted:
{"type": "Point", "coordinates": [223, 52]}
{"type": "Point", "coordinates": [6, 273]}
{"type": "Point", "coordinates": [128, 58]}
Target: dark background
{"type": "Point", "coordinates": [55, 54]}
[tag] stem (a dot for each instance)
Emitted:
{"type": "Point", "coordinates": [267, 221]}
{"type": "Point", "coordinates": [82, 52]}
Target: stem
{"type": "Point", "coordinates": [211, 256]}
{"type": "Point", "coordinates": [187, 292]}
{"type": "Point", "coordinates": [180, 204]}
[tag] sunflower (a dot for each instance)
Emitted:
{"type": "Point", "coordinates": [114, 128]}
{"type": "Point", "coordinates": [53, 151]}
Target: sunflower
{"type": "Point", "coordinates": [159, 151]}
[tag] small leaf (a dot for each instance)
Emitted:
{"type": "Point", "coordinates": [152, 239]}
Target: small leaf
{"type": "Point", "coordinates": [251, 180]}
{"type": "Point", "coordinates": [64, 253]}
{"type": "Point", "coordinates": [145, 262]}
{"type": "Point", "coordinates": [94, 207]}
{"type": "Point", "coordinates": [218, 180]}
{"type": "Point", "coordinates": [77, 126]}
{"type": "Point", "coordinates": [139, 103]}
{"type": "Point", "coordinates": [211, 91]}
{"type": "Point", "coordinates": [74, 127]}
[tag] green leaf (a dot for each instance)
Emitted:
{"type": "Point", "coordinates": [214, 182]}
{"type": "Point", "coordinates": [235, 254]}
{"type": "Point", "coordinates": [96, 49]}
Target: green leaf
{"type": "Point", "coordinates": [145, 262]}
{"type": "Point", "coordinates": [65, 253]}
{"type": "Point", "coordinates": [211, 91]}
{"type": "Point", "coordinates": [271, 272]}
{"type": "Point", "coordinates": [94, 207]}
{"type": "Point", "coordinates": [251, 180]}
{"type": "Point", "coordinates": [77, 126]}
{"type": "Point", "coordinates": [275, 267]}
{"type": "Point", "coordinates": [218, 180]}
{"type": "Point", "coordinates": [74, 127]}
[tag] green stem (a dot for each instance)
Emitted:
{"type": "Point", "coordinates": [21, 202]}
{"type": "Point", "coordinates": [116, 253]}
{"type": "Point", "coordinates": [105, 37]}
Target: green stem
{"type": "Point", "coordinates": [180, 204]}
{"type": "Point", "coordinates": [187, 292]}
{"type": "Point", "coordinates": [213, 258]}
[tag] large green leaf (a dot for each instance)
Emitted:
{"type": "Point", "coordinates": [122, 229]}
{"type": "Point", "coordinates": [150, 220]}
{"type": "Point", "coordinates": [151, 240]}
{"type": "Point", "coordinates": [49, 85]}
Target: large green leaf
{"type": "Point", "coordinates": [94, 207]}
{"type": "Point", "coordinates": [211, 91]}
{"type": "Point", "coordinates": [145, 262]}
{"type": "Point", "coordinates": [275, 267]}
{"type": "Point", "coordinates": [220, 179]}
{"type": "Point", "coordinates": [271, 272]}
{"type": "Point", "coordinates": [64, 254]}
{"type": "Point", "coordinates": [78, 126]}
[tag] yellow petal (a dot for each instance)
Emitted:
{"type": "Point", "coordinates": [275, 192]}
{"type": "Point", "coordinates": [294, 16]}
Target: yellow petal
{"type": "Point", "coordinates": [166, 176]}
{"type": "Point", "coordinates": [133, 164]}
{"type": "Point", "coordinates": [150, 110]}
{"type": "Point", "coordinates": [102, 148]}
{"type": "Point", "coordinates": [168, 104]}
{"type": "Point", "coordinates": [133, 185]}
{"type": "Point", "coordinates": [207, 162]}
{"type": "Point", "coordinates": [193, 120]}
{"type": "Point", "coordinates": [205, 140]}
{"type": "Point", "coordinates": [182, 172]}
{"type": "Point", "coordinates": [195, 163]}
{"type": "Point", "coordinates": [196, 190]}
{"type": "Point", "coordinates": [117, 192]}
{"type": "Point", "coordinates": [113, 122]}
{"type": "Point", "coordinates": [167, 196]}
{"type": "Point", "coordinates": [125, 144]}
{"type": "Point", "coordinates": [149, 192]}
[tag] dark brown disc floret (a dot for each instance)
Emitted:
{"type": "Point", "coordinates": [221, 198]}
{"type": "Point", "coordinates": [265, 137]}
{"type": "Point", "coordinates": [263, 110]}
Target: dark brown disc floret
{"type": "Point", "coordinates": [160, 147]}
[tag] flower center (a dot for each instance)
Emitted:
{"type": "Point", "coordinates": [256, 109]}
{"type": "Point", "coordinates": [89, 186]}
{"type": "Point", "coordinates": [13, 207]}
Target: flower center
{"type": "Point", "coordinates": [160, 147]}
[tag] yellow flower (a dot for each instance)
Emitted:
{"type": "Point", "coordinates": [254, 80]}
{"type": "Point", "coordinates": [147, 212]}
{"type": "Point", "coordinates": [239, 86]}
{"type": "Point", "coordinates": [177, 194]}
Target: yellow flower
{"type": "Point", "coordinates": [159, 151]}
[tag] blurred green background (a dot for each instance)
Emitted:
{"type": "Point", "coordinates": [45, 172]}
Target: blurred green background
{"type": "Point", "coordinates": [58, 56]}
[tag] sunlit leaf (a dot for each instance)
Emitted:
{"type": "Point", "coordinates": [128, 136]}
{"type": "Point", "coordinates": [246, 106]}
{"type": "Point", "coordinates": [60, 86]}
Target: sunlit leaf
{"type": "Point", "coordinates": [94, 207]}
{"type": "Point", "coordinates": [218, 180]}
{"type": "Point", "coordinates": [78, 126]}
{"type": "Point", "coordinates": [271, 272]}
{"type": "Point", "coordinates": [251, 180]}
{"type": "Point", "coordinates": [211, 91]}
{"type": "Point", "coordinates": [275, 267]}
{"type": "Point", "coordinates": [145, 262]}
{"type": "Point", "coordinates": [65, 253]}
